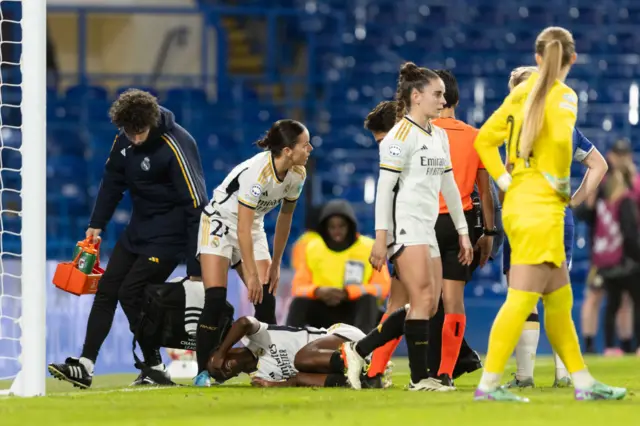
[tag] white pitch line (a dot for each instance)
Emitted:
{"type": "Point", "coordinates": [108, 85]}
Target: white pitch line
{"type": "Point", "coordinates": [100, 392]}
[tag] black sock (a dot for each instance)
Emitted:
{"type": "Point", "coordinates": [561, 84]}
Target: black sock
{"type": "Point", "coordinates": [391, 328]}
{"type": "Point", "coordinates": [266, 311]}
{"type": "Point", "coordinates": [335, 381]}
{"type": "Point", "coordinates": [209, 333]}
{"type": "Point", "coordinates": [336, 364]}
{"type": "Point", "coordinates": [151, 355]}
{"type": "Point", "coordinates": [417, 334]}
{"type": "Point", "coordinates": [436, 323]}
{"type": "Point", "coordinates": [627, 346]}
{"type": "Point", "coordinates": [589, 344]}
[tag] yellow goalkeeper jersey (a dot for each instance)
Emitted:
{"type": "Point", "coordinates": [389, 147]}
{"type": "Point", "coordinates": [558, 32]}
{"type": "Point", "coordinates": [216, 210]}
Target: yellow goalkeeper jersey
{"type": "Point", "coordinates": [552, 151]}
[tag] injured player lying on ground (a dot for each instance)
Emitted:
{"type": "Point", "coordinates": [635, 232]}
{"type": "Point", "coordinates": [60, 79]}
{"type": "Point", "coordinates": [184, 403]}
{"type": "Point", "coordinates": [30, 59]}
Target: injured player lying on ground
{"type": "Point", "coordinates": [281, 356]}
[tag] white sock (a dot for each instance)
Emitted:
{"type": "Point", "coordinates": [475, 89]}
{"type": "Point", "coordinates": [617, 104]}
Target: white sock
{"type": "Point", "coordinates": [582, 379]}
{"type": "Point", "coordinates": [489, 381]}
{"type": "Point", "coordinates": [159, 367]}
{"type": "Point", "coordinates": [561, 370]}
{"type": "Point", "coordinates": [88, 364]}
{"type": "Point", "coordinates": [526, 350]}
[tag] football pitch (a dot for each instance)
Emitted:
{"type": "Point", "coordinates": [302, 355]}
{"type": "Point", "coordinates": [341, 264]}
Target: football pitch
{"type": "Point", "coordinates": [111, 402]}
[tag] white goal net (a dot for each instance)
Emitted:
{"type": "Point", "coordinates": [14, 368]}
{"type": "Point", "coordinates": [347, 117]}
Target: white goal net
{"type": "Point", "coordinates": [22, 197]}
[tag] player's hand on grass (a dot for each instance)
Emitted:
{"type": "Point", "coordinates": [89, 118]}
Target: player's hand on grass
{"type": "Point", "coordinates": [94, 233]}
{"type": "Point", "coordinates": [378, 256]}
{"type": "Point", "coordinates": [466, 250]}
{"type": "Point", "coordinates": [254, 289]}
{"type": "Point", "coordinates": [485, 245]}
{"type": "Point", "coordinates": [217, 361]}
{"type": "Point", "coordinates": [273, 275]}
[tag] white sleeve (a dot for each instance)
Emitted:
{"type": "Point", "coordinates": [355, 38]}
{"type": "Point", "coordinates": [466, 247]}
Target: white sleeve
{"type": "Point", "coordinates": [258, 341]}
{"type": "Point", "coordinates": [451, 193]}
{"type": "Point", "coordinates": [394, 153]}
{"type": "Point", "coordinates": [252, 184]}
{"type": "Point", "coordinates": [395, 150]}
{"type": "Point", "coordinates": [384, 198]}
{"type": "Point", "coordinates": [294, 192]}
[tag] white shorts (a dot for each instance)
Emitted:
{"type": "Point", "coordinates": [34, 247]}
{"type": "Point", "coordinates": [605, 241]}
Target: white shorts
{"type": "Point", "coordinates": [394, 250]}
{"type": "Point", "coordinates": [218, 235]}
{"type": "Point", "coordinates": [346, 331]}
{"type": "Point", "coordinates": [407, 231]}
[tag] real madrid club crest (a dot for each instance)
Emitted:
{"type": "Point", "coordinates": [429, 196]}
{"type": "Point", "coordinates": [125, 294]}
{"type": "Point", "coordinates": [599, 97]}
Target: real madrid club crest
{"type": "Point", "coordinates": [216, 241]}
{"type": "Point", "coordinates": [146, 164]}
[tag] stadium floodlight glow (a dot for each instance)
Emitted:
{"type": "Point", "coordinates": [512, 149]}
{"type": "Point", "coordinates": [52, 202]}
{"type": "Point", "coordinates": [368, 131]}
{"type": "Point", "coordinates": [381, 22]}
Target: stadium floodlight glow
{"type": "Point", "coordinates": [478, 92]}
{"type": "Point", "coordinates": [633, 103]}
{"type": "Point", "coordinates": [369, 190]}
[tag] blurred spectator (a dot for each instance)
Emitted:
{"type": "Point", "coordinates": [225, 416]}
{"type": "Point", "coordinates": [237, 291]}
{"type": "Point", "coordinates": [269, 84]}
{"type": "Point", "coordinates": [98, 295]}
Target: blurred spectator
{"type": "Point", "coordinates": [616, 246]}
{"type": "Point", "coordinates": [334, 281]}
{"type": "Point", "coordinates": [619, 156]}
{"type": "Point", "coordinates": [590, 313]}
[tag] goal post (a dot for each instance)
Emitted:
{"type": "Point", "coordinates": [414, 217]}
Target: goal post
{"type": "Point", "coordinates": [30, 380]}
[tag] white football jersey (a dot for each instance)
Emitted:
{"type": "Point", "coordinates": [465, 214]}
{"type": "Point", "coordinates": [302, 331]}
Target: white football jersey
{"type": "Point", "coordinates": [254, 184]}
{"type": "Point", "coordinates": [420, 156]}
{"type": "Point", "coordinates": [276, 347]}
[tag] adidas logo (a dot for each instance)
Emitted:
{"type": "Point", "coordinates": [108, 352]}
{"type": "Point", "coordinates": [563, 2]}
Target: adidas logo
{"type": "Point", "coordinates": [123, 152]}
{"type": "Point", "coordinates": [403, 232]}
{"type": "Point", "coordinates": [424, 148]}
{"type": "Point", "coordinates": [265, 193]}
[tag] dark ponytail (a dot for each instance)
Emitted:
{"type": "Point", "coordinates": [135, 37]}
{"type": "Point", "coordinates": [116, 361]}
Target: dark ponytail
{"type": "Point", "coordinates": [411, 77]}
{"type": "Point", "coordinates": [282, 134]}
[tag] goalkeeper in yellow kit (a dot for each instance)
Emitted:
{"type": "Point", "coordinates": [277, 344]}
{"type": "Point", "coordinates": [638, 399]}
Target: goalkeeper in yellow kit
{"type": "Point", "coordinates": [536, 120]}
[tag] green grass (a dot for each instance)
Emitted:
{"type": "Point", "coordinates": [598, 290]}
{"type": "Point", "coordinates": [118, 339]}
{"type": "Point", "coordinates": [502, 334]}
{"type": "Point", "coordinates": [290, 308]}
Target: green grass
{"type": "Point", "coordinates": [110, 402]}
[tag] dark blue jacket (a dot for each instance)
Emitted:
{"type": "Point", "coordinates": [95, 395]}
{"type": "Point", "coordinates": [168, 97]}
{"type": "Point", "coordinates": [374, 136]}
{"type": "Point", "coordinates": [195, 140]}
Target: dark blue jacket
{"type": "Point", "coordinates": [165, 180]}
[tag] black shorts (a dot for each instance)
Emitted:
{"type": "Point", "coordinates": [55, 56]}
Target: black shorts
{"type": "Point", "coordinates": [449, 245]}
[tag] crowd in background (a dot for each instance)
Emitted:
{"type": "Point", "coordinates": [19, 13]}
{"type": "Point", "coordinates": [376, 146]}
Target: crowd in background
{"type": "Point", "coordinates": [612, 216]}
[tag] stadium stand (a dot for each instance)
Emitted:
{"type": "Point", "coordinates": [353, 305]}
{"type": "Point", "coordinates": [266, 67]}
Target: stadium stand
{"type": "Point", "coordinates": [352, 49]}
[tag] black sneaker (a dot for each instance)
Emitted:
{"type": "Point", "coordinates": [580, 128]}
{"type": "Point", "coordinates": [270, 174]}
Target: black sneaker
{"type": "Point", "coordinates": [468, 364]}
{"type": "Point", "coordinates": [445, 380]}
{"type": "Point", "coordinates": [72, 371]}
{"type": "Point", "coordinates": [374, 382]}
{"type": "Point", "coordinates": [152, 377]}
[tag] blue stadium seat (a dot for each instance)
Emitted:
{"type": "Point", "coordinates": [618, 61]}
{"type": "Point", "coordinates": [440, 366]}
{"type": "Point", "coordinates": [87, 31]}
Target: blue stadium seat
{"type": "Point", "coordinates": [151, 90]}
{"type": "Point", "coordinates": [181, 95]}
{"type": "Point", "coordinates": [66, 141]}
{"type": "Point", "coordinates": [86, 93]}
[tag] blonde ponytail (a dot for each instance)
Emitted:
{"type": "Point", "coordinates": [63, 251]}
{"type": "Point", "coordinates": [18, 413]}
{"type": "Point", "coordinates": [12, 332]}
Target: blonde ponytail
{"type": "Point", "coordinates": [534, 107]}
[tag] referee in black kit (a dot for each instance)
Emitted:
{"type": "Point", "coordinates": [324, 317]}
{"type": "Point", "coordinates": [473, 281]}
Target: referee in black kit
{"type": "Point", "coordinates": [158, 162]}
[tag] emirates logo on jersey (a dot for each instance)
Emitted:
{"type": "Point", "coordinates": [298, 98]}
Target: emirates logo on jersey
{"type": "Point", "coordinates": [434, 165]}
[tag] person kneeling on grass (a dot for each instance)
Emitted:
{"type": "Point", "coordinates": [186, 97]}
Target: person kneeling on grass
{"type": "Point", "coordinates": [281, 356]}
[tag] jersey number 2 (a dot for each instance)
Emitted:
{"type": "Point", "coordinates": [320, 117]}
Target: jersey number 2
{"type": "Point", "coordinates": [511, 123]}
{"type": "Point", "coordinates": [220, 229]}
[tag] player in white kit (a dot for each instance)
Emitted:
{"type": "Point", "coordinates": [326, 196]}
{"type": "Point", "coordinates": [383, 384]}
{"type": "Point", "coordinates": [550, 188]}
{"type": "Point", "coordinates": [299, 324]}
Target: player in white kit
{"type": "Point", "coordinates": [415, 166]}
{"type": "Point", "coordinates": [283, 356]}
{"type": "Point", "coordinates": [232, 232]}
